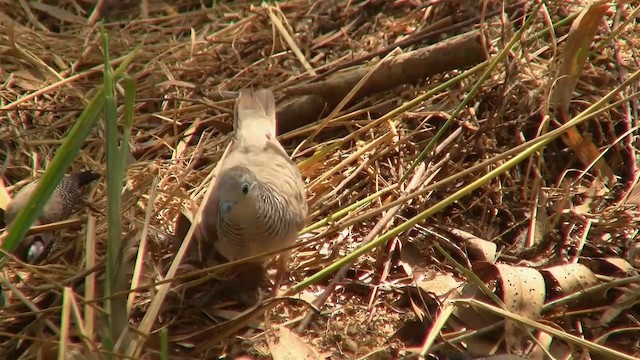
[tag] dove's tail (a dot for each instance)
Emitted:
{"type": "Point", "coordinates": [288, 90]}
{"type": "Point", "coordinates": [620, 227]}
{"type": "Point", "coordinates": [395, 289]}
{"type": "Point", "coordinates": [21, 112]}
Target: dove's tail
{"type": "Point", "coordinates": [255, 115]}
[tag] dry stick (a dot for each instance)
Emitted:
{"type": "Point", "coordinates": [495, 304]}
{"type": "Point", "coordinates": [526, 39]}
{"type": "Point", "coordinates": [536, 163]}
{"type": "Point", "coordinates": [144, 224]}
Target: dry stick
{"type": "Point", "coordinates": [142, 246]}
{"type": "Point", "coordinates": [459, 52]}
{"type": "Point", "coordinates": [289, 39]}
{"type": "Point", "coordinates": [98, 11]}
{"type": "Point", "coordinates": [90, 282]}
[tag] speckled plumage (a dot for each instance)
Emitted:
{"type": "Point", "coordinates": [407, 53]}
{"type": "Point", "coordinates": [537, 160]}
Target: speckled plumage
{"type": "Point", "coordinates": [60, 204]}
{"type": "Point", "coordinates": [258, 203]}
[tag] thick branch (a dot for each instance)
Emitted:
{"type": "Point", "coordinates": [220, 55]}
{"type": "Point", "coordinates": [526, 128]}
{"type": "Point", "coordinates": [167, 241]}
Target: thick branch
{"type": "Point", "coordinates": [315, 99]}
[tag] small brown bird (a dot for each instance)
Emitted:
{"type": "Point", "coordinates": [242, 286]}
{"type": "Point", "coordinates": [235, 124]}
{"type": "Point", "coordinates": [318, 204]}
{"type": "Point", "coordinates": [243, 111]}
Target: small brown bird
{"type": "Point", "coordinates": [59, 207]}
{"type": "Point", "coordinates": [258, 203]}
{"type": "Point", "coordinates": [60, 204]}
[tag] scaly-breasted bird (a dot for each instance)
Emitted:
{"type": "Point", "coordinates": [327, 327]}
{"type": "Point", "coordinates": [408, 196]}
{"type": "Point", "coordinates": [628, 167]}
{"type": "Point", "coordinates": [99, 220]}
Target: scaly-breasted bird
{"type": "Point", "coordinates": [258, 203]}
{"type": "Point", "coordinates": [60, 204]}
{"type": "Point", "coordinates": [59, 207]}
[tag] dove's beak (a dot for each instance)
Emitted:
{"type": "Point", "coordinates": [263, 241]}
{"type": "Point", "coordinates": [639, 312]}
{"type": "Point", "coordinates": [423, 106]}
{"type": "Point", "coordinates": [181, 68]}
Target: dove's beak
{"type": "Point", "coordinates": [226, 206]}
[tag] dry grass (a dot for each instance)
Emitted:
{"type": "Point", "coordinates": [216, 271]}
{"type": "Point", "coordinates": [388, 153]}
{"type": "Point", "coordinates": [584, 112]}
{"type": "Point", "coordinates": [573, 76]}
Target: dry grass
{"type": "Point", "coordinates": [191, 55]}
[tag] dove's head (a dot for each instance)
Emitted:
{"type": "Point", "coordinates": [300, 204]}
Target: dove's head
{"type": "Point", "coordinates": [237, 192]}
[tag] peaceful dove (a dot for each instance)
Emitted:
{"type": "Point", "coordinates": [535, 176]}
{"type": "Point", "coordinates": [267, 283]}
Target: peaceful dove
{"type": "Point", "coordinates": [59, 207]}
{"type": "Point", "coordinates": [258, 202]}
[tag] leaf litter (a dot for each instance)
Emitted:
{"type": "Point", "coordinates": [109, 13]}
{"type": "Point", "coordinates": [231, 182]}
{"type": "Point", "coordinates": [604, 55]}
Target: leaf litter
{"type": "Point", "coordinates": [557, 233]}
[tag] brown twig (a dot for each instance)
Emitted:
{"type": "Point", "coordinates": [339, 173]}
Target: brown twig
{"type": "Point", "coordinates": [460, 52]}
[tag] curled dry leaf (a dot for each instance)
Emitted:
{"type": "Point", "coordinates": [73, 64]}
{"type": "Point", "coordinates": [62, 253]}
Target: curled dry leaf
{"type": "Point", "coordinates": [481, 250]}
{"type": "Point", "coordinates": [633, 256]}
{"type": "Point", "coordinates": [611, 266]}
{"type": "Point", "coordinates": [575, 55]}
{"type": "Point", "coordinates": [539, 351]}
{"type": "Point", "coordinates": [576, 51]}
{"type": "Point", "coordinates": [550, 345]}
{"type": "Point", "coordinates": [284, 344]}
{"type": "Point", "coordinates": [523, 293]}
{"type": "Point", "coordinates": [570, 278]}
{"type": "Point", "coordinates": [633, 193]}
{"type": "Point", "coordinates": [411, 257]}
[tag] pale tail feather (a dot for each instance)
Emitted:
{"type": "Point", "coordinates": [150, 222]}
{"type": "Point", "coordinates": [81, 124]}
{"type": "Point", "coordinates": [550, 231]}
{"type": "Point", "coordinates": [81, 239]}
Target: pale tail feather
{"type": "Point", "coordinates": [255, 116]}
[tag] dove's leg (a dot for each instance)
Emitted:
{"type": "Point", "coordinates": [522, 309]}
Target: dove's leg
{"type": "Point", "coordinates": [281, 271]}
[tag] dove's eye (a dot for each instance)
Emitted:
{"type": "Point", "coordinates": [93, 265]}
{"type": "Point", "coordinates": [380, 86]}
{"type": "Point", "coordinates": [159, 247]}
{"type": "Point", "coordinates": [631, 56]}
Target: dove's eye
{"type": "Point", "coordinates": [245, 188]}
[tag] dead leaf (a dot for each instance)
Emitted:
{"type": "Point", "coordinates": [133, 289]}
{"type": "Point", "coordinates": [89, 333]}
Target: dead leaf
{"type": "Point", "coordinates": [570, 278]}
{"type": "Point", "coordinates": [587, 152]}
{"type": "Point", "coordinates": [611, 266]}
{"type": "Point", "coordinates": [284, 344]}
{"type": "Point", "coordinates": [622, 265]}
{"type": "Point", "coordinates": [412, 332]}
{"type": "Point", "coordinates": [633, 194]}
{"type": "Point", "coordinates": [540, 224]}
{"type": "Point", "coordinates": [481, 250]}
{"type": "Point", "coordinates": [207, 338]}
{"type": "Point", "coordinates": [576, 51]}
{"type": "Point", "coordinates": [634, 255]}
{"type": "Point", "coordinates": [523, 293]}
{"type": "Point", "coordinates": [441, 285]}
{"type": "Point", "coordinates": [539, 350]}
{"type": "Point", "coordinates": [411, 257]}
{"type": "Point", "coordinates": [575, 55]}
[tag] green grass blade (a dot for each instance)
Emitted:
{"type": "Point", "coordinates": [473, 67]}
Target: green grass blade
{"type": "Point", "coordinates": [129, 106]}
{"type": "Point", "coordinates": [164, 344]}
{"type": "Point", "coordinates": [115, 307]}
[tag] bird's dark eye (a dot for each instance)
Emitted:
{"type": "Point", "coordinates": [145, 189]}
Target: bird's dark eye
{"type": "Point", "coordinates": [245, 188]}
